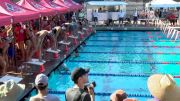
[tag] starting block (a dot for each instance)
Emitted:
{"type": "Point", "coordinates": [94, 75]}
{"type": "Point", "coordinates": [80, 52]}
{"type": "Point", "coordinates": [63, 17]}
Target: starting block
{"type": "Point", "coordinates": [81, 34]}
{"type": "Point", "coordinates": [52, 54]}
{"type": "Point", "coordinates": [66, 45]}
{"type": "Point", "coordinates": [9, 77]}
{"type": "Point", "coordinates": [74, 39]}
{"type": "Point", "coordinates": [36, 66]}
{"type": "Point", "coordinates": [86, 31]}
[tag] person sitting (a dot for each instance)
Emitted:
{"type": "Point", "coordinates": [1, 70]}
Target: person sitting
{"type": "Point", "coordinates": [78, 93]}
{"type": "Point", "coordinates": [41, 83]}
{"type": "Point", "coordinates": [120, 95]}
{"type": "Point", "coordinates": [163, 87]}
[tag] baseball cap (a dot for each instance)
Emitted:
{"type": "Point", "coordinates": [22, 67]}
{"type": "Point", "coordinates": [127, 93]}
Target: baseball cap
{"type": "Point", "coordinates": [78, 72]}
{"type": "Point", "coordinates": [41, 79]}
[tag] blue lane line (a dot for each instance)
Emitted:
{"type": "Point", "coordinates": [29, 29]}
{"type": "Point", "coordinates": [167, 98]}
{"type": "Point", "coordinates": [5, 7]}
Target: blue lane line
{"type": "Point", "coordinates": [127, 62]}
{"type": "Point", "coordinates": [133, 46]}
{"type": "Point", "coordinates": [116, 75]}
{"type": "Point", "coordinates": [128, 36]}
{"type": "Point", "coordinates": [106, 94]}
{"type": "Point", "coordinates": [88, 52]}
{"type": "Point", "coordinates": [139, 39]}
{"type": "Point", "coordinates": [131, 40]}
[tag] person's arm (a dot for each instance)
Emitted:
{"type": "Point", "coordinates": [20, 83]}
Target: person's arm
{"type": "Point", "coordinates": [91, 92]}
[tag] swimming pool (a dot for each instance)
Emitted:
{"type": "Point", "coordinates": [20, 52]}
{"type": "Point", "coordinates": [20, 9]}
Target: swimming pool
{"type": "Point", "coordinates": [121, 60]}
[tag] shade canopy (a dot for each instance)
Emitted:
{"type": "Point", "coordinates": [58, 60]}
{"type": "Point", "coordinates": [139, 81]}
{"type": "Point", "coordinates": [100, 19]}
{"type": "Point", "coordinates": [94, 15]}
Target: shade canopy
{"type": "Point", "coordinates": [35, 6]}
{"type": "Point", "coordinates": [18, 14]}
{"type": "Point", "coordinates": [162, 3]}
{"type": "Point", "coordinates": [71, 5]}
{"type": "Point", "coordinates": [106, 3]}
{"type": "Point", "coordinates": [5, 19]}
{"type": "Point", "coordinates": [77, 5]}
{"type": "Point", "coordinates": [54, 6]}
{"type": "Point", "coordinates": [59, 2]}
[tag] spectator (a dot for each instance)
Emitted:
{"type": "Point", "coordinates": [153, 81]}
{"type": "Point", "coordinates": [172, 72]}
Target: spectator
{"type": "Point", "coordinates": [110, 19]}
{"type": "Point", "coordinates": [120, 95]}
{"type": "Point", "coordinates": [79, 76]}
{"type": "Point", "coordinates": [121, 17]}
{"type": "Point", "coordinates": [95, 16]}
{"type": "Point", "coordinates": [41, 83]}
{"type": "Point", "coordinates": [135, 17]}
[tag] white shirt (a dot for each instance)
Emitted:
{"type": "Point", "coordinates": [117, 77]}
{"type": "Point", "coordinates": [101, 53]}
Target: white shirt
{"type": "Point", "coordinates": [135, 14]}
{"type": "Point", "coordinates": [95, 14]}
{"type": "Point", "coordinates": [121, 14]}
{"type": "Point", "coordinates": [49, 97]}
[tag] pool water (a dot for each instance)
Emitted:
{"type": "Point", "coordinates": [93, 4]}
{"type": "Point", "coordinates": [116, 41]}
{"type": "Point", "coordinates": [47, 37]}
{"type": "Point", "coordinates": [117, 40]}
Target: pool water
{"type": "Point", "coordinates": [122, 60]}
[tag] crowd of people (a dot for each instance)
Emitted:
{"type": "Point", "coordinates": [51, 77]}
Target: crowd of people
{"type": "Point", "coordinates": [171, 16]}
{"type": "Point", "coordinates": [162, 87]}
{"type": "Point", "coordinates": [20, 42]}
{"type": "Point", "coordinates": [81, 91]}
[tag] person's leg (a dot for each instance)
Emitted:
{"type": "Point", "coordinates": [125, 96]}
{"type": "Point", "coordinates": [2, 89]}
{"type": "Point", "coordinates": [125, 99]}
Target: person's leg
{"type": "Point", "coordinates": [4, 53]}
{"type": "Point", "coordinates": [122, 21]}
{"type": "Point", "coordinates": [3, 65]}
{"type": "Point", "coordinates": [22, 49]}
{"type": "Point", "coordinates": [28, 49]}
{"type": "Point", "coordinates": [134, 20]}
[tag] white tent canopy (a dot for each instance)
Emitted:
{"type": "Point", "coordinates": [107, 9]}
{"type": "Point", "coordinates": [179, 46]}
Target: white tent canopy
{"type": "Point", "coordinates": [106, 3]}
{"type": "Point", "coordinates": [162, 3]}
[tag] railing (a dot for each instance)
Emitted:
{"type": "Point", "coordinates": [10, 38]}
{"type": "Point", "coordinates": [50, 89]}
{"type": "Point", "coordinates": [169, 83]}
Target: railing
{"type": "Point", "coordinates": [169, 31]}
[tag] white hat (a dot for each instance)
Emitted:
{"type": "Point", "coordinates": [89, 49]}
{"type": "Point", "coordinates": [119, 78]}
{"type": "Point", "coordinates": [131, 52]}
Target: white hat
{"type": "Point", "coordinates": [41, 78]}
{"type": "Point", "coordinates": [163, 87]}
{"type": "Point", "coordinates": [10, 91]}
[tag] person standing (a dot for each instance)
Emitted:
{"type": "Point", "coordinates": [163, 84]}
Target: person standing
{"type": "Point", "coordinates": [135, 15]}
{"type": "Point", "coordinates": [78, 93]}
{"type": "Point", "coordinates": [41, 83]}
{"type": "Point", "coordinates": [121, 17]}
{"type": "Point", "coordinates": [95, 16]}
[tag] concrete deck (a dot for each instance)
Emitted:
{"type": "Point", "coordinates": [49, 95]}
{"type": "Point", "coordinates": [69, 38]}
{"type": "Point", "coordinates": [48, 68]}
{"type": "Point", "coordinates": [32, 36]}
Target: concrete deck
{"type": "Point", "coordinates": [50, 66]}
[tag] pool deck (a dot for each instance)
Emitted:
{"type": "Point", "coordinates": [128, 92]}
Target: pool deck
{"type": "Point", "coordinates": [28, 80]}
{"type": "Point", "coordinates": [50, 66]}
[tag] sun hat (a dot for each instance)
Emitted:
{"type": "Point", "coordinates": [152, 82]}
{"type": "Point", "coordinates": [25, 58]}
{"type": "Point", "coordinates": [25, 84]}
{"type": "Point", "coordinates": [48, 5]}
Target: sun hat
{"type": "Point", "coordinates": [118, 95]}
{"type": "Point", "coordinates": [10, 91]}
{"type": "Point", "coordinates": [41, 79]}
{"type": "Point", "coordinates": [163, 87]}
{"type": "Point", "coordinates": [78, 72]}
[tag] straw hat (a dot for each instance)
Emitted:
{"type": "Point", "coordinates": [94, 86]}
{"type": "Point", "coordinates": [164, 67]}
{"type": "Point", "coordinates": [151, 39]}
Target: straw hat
{"type": "Point", "coordinates": [163, 87]}
{"type": "Point", "coordinates": [10, 91]}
